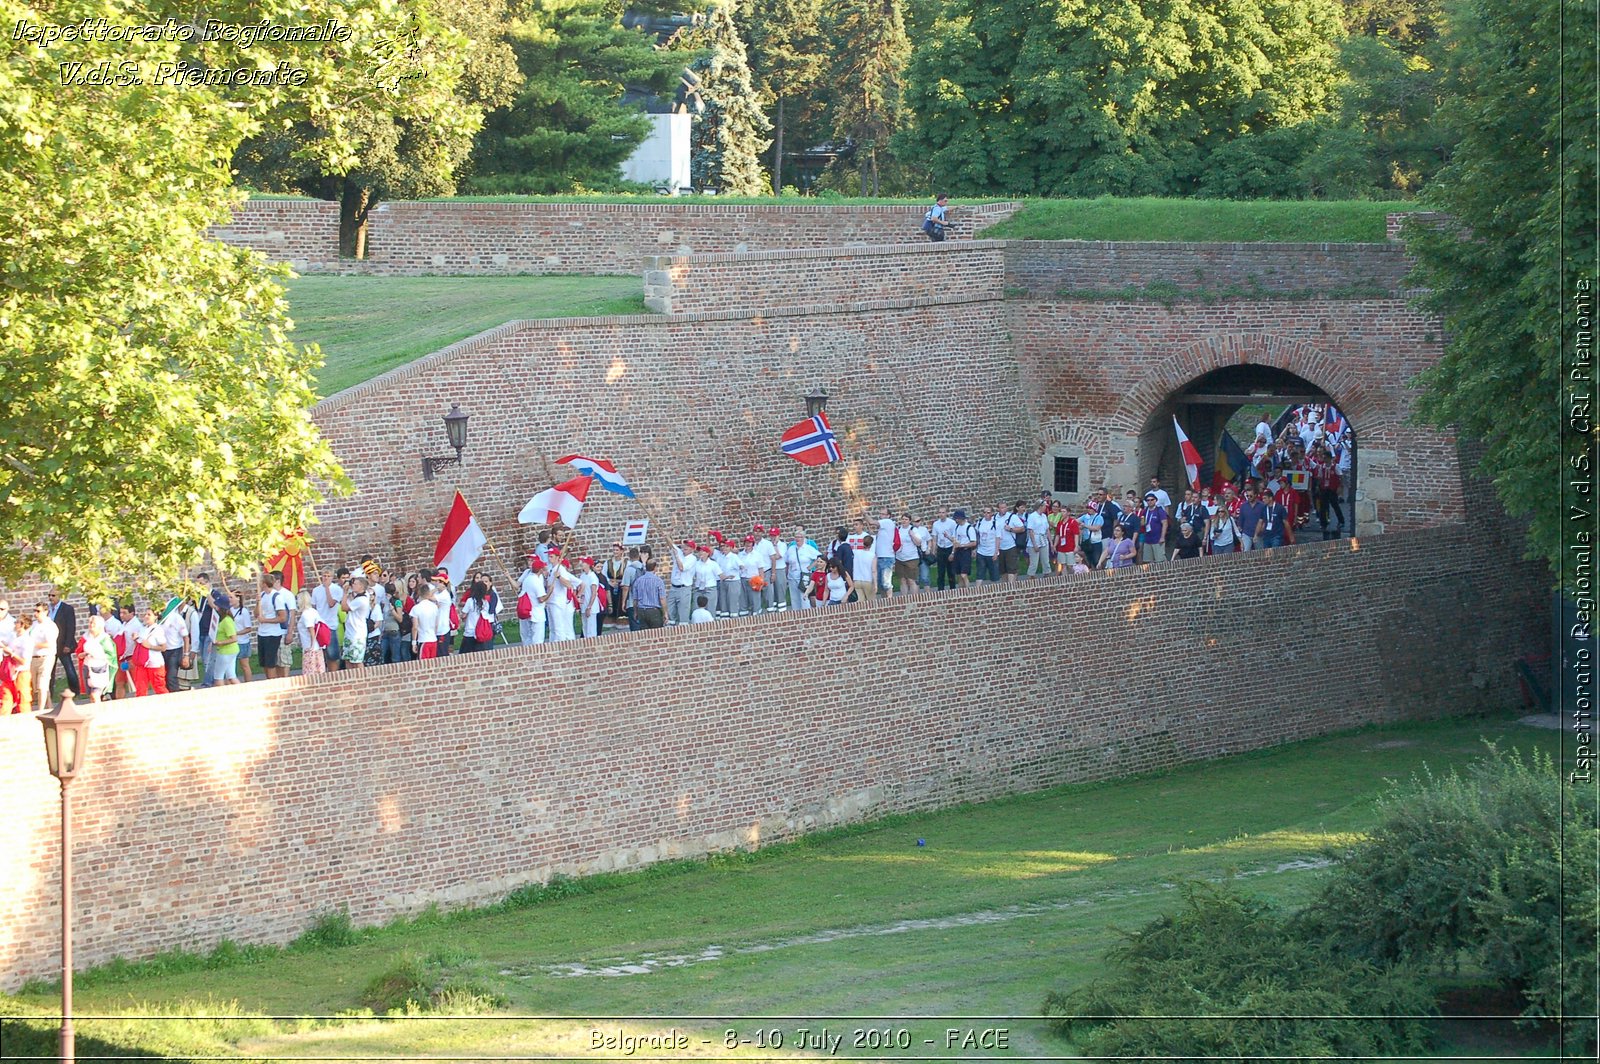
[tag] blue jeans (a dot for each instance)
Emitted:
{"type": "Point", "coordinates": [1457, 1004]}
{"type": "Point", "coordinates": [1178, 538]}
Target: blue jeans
{"type": "Point", "coordinates": [885, 567]}
{"type": "Point", "coordinates": [395, 648]}
{"type": "Point", "coordinates": [988, 568]}
{"type": "Point", "coordinates": [1272, 537]}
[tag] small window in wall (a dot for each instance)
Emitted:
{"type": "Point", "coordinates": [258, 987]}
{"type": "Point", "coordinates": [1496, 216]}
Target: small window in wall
{"type": "Point", "coordinates": [1066, 480]}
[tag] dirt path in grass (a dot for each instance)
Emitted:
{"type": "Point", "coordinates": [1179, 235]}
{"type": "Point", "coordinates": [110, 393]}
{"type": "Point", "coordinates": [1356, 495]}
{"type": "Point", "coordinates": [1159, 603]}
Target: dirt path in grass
{"type": "Point", "coordinates": [645, 963]}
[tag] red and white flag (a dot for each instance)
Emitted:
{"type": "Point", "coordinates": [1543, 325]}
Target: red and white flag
{"type": "Point", "coordinates": [1191, 455]}
{"type": "Point", "coordinates": [461, 541]}
{"type": "Point", "coordinates": [560, 503]}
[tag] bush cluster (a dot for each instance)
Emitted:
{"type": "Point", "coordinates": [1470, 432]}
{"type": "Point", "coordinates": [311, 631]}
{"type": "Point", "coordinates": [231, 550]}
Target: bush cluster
{"type": "Point", "coordinates": [1463, 875]}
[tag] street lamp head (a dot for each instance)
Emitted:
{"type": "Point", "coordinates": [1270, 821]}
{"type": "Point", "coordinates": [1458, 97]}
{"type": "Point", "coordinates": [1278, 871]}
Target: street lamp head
{"type": "Point", "coordinates": [66, 739]}
{"type": "Point", "coordinates": [816, 402]}
{"type": "Point", "coordinates": [455, 427]}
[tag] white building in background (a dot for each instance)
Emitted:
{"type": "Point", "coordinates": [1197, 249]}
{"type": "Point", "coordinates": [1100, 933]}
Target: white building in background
{"type": "Point", "coordinates": [663, 158]}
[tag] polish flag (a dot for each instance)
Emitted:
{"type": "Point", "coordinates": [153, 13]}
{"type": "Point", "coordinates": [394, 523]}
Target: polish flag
{"type": "Point", "coordinates": [461, 541]}
{"type": "Point", "coordinates": [1191, 455]}
{"type": "Point", "coordinates": [560, 503]}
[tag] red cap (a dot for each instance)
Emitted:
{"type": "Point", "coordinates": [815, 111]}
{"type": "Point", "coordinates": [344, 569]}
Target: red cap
{"type": "Point", "coordinates": [538, 564]}
{"type": "Point", "coordinates": [772, 531]}
{"type": "Point", "coordinates": [554, 552]}
{"type": "Point", "coordinates": [690, 544]}
{"type": "Point", "coordinates": [749, 539]}
{"type": "Point", "coordinates": [586, 560]}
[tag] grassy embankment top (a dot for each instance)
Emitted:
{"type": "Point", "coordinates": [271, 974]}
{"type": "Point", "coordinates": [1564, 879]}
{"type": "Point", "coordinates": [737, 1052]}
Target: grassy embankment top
{"type": "Point", "coordinates": [1104, 218]}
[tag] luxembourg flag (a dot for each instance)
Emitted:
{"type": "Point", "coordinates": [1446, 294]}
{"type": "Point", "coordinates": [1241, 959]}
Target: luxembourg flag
{"type": "Point", "coordinates": [603, 472]}
{"type": "Point", "coordinates": [811, 442]}
{"type": "Point", "coordinates": [461, 541]}
{"type": "Point", "coordinates": [1191, 455]}
{"type": "Point", "coordinates": [561, 503]}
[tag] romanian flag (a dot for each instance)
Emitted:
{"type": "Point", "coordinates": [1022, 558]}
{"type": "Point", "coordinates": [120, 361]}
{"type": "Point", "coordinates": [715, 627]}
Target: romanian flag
{"type": "Point", "coordinates": [1231, 462]}
{"type": "Point", "coordinates": [287, 557]}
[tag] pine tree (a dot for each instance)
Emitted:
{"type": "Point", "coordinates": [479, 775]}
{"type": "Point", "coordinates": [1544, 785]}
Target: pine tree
{"type": "Point", "coordinates": [730, 134]}
{"type": "Point", "coordinates": [868, 75]}
{"type": "Point", "coordinates": [785, 57]}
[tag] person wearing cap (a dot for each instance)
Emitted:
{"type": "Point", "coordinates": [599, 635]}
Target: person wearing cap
{"type": "Point", "coordinates": [531, 584]}
{"type": "Point", "coordinates": [780, 570]}
{"type": "Point", "coordinates": [750, 564]}
{"type": "Point", "coordinates": [964, 541]}
{"type": "Point", "coordinates": [731, 596]}
{"type": "Point", "coordinates": [1154, 531]}
{"type": "Point", "coordinates": [560, 604]}
{"type": "Point", "coordinates": [707, 577]}
{"type": "Point", "coordinates": [449, 617]}
{"type": "Point", "coordinates": [759, 558]}
{"type": "Point", "coordinates": [679, 598]}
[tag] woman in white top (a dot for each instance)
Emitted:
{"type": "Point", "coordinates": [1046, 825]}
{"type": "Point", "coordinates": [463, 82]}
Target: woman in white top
{"type": "Point", "coordinates": [840, 585]}
{"type": "Point", "coordinates": [245, 625]}
{"type": "Point", "coordinates": [589, 597]}
{"type": "Point", "coordinates": [311, 660]}
{"type": "Point", "coordinates": [478, 606]}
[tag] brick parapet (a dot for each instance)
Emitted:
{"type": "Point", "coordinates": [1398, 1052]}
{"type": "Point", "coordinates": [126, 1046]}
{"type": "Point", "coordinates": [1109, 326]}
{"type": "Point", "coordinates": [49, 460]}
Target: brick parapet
{"type": "Point", "coordinates": [247, 812]}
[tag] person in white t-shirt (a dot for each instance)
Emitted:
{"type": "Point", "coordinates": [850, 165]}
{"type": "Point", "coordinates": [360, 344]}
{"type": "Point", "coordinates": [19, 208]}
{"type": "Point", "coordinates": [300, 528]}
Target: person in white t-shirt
{"type": "Point", "coordinates": [730, 594]}
{"type": "Point", "coordinates": [357, 607]}
{"type": "Point", "coordinates": [312, 659]}
{"type": "Point", "coordinates": [531, 629]}
{"type": "Point", "coordinates": [799, 556]}
{"type": "Point", "coordinates": [1013, 538]}
{"type": "Point", "coordinates": [702, 612]}
{"type": "Point", "coordinates": [325, 599]}
{"type": "Point", "coordinates": [906, 556]}
{"type": "Point", "coordinates": [424, 623]}
{"type": "Point", "coordinates": [589, 597]}
{"type": "Point", "coordinates": [883, 553]}
{"type": "Point", "coordinates": [988, 545]}
{"type": "Point", "coordinates": [560, 605]}
{"type": "Point", "coordinates": [864, 566]}
{"type": "Point", "coordinates": [922, 536]}
{"type": "Point", "coordinates": [943, 532]}
{"type": "Point", "coordinates": [763, 553]}
{"type": "Point", "coordinates": [149, 656]}
{"type": "Point", "coordinates": [707, 577]}
{"type": "Point", "coordinates": [275, 627]}
{"type": "Point", "coordinates": [43, 656]}
{"type": "Point", "coordinates": [1038, 530]}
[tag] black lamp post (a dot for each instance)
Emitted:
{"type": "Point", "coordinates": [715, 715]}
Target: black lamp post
{"type": "Point", "coordinates": [455, 429]}
{"type": "Point", "coordinates": [816, 402]}
{"type": "Point", "coordinates": [66, 742]}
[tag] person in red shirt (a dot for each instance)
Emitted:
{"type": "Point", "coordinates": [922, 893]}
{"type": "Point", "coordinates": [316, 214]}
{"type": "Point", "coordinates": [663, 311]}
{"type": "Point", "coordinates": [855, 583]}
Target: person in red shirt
{"type": "Point", "coordinates": [1066, 543]}
{"type": "Point", "coordinates": [1325, 485]}
{"type": "Point", "coordinates": [1293, 504]}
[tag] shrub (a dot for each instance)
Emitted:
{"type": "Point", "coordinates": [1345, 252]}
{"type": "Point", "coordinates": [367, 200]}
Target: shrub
{"type": "Point", "coordinates": [1239, 985]}
{"type": "Point", "coordinates": [413, 985]}
{"type": "Point", "coordinates": [330, 929]}
{"type": "Point", "coordinates": [1467, 870]}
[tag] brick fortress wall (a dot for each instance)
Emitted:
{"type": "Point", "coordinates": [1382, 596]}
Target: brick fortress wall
{"type": "Point", "coordinates": [947, 273]}
{"type": "Point", "coordinates": [473, 237]}
{"type": "Point", "coordinates": [383, 791]}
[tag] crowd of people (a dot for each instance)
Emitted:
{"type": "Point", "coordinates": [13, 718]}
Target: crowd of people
{"type": "Point", "coordinates": [210, 636]}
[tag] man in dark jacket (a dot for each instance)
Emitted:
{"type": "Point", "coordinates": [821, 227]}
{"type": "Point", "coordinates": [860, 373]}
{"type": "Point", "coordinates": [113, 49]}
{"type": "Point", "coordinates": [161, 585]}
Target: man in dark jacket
{"type": "Point", "coordinates": [66, 622]}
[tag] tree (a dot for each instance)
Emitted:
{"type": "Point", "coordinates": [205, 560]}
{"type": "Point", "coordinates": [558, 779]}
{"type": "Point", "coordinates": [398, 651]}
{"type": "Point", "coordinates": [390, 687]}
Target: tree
{"type": "Point", "coordinates": [731, 134]}
{"type": "Point", "coordinates": [153, 405]}
{"type": "Point", "coordinates": [1126, 97]}
{"type": "Point", "coordinates": [398, 152]}
{"type": "Point", "coordinates": [785, 58]}
{"type": "Point", "coordinates": [567, 128]}
{"type": "Point", "coordinates": [868, 74]}
{"type": "Point", "coordinates": [1505, 276]}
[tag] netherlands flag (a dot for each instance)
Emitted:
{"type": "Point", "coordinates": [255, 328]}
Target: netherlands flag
{"type": "Point", "coordinates": [604, 473]}
{"type": "Point", "coordinates": [811, 442]}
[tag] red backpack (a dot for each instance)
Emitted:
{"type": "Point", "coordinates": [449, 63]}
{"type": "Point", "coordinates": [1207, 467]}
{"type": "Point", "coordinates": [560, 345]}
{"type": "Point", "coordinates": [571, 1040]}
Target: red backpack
{"type": "Point", "coordinates": [525, 607]}
{"type": "Point", "coordinates": [324, 635]}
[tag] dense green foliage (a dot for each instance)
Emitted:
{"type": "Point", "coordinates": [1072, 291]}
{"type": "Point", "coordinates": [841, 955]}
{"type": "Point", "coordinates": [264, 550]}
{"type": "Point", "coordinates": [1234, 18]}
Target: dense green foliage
{"type": "Point", "coordinates": [867, 72]}
{"type": "Point", "coordinates": [730, 137]}
{"type": "Point", "coordinates": [1522, 187]}
{"type": "Point", "coordinates": [389, 152]}
{"type": "Point", "coordinates": [153, 406]}
{"type": "Point", "coordinates": [1462, 875]}
{"type": "Point", "coordinates": [1121, 96]}
{"type": "Point", "coordinates": [1248, 987]}
{"type": "Point", "coordinates": [786, 56]}
{"type": "Point", "coordinates": [566, 128]}
{"type": "Point", "coordinates": [1466, 870]}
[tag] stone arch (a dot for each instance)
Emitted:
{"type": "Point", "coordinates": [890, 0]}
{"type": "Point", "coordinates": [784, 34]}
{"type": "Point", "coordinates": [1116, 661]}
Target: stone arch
{"type": "Point", "coordinates": [1175, 372]}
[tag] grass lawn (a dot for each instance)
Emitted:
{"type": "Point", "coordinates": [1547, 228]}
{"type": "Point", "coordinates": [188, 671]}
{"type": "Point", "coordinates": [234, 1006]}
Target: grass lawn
{"type": "Point", "coordinates": [369, 325]}
{"type": "Point", "coordinates": [1229, 221]}
{"type": "Point", "coordinates": [1005, 901]}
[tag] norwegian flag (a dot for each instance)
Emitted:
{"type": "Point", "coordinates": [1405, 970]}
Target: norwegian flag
{"type": "Point", "coordinates": [811, 442]}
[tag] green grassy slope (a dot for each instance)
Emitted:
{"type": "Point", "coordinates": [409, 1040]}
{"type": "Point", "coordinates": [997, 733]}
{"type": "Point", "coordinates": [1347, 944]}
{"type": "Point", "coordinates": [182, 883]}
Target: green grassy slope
{"type": "Point", "coordinates": [369, 325]}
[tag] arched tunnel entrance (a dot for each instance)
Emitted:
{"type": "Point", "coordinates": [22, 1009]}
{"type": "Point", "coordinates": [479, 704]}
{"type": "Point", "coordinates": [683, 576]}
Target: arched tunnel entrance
{"type": "Point", "coordinates": [1220, 412]}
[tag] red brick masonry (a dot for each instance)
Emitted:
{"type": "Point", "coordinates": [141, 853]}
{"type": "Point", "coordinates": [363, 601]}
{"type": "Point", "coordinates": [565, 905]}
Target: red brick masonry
{"type": "Point", "coordinates": [246, 813]}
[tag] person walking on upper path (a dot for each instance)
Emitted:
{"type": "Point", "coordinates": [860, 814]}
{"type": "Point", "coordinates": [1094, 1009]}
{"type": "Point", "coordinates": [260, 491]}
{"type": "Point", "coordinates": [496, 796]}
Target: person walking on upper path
{"type": "Point", "coordinates": [936, 223]}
